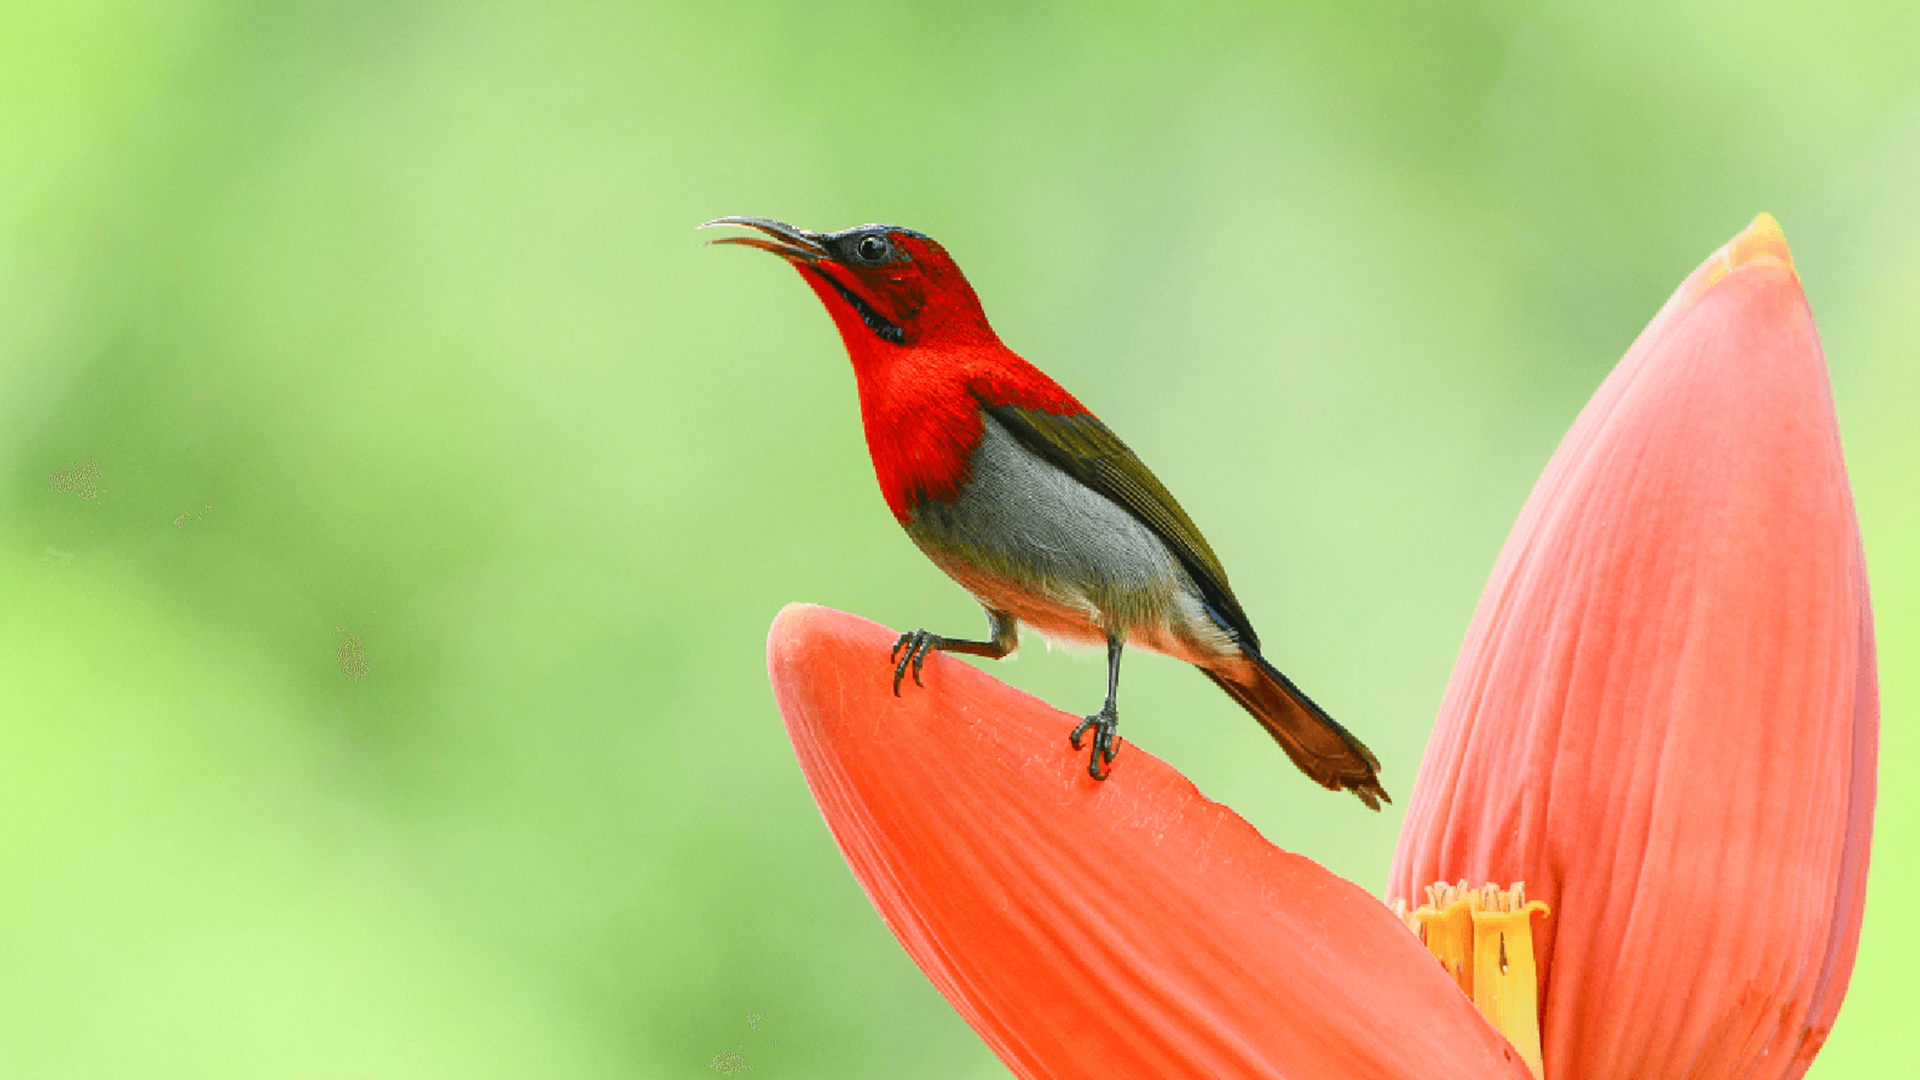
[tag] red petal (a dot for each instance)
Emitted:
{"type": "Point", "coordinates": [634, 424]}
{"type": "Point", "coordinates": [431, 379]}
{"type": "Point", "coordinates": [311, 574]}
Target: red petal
{"type": "Point", "coordinates": [1664, 718]}
{"type": "Point", "coordinates": [1129, 928]}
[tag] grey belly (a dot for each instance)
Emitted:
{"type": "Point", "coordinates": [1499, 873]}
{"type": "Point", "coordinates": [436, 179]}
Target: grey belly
{"type": "Point", "coordinates": [1029, 540]}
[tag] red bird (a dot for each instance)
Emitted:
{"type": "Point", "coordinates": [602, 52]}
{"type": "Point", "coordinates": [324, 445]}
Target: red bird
{"type": "Point", "coordinates": [1014, 489]}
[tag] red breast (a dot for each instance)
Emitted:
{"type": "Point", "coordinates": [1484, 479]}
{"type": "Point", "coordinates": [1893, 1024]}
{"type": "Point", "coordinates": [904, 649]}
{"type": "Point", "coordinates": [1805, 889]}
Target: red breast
{"type": "Point", "coordinates": [924, 357]}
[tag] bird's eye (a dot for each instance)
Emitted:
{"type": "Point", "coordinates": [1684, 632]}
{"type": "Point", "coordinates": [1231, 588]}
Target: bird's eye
{"type": "Point", "coordinates": [873, 248]}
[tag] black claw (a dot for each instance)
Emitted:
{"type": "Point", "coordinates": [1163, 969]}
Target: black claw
{"type": "Point", "coordinates": [1106, 742]}
{"type": "Point", "coordinates": [1093, 767]}
{"type": "Point", "coordinates": [1079, 731]}
{"type": "Point", "coordinates": [917, 643]}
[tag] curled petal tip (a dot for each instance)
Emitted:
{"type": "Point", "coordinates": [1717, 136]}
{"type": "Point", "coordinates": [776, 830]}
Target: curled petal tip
{"type": "Point", "coordinates": [1760, 244]}
{"type": "Point", "coordinates": [1761, 240]}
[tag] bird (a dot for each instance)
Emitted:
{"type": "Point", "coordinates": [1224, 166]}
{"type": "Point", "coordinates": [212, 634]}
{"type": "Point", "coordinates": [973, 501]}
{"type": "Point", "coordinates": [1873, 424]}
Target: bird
{"type": "Point", "coordinates": [1026, 500]}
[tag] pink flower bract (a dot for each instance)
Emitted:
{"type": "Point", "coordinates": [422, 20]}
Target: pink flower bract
{"type": "Point", "coordinates": [1116, 929]}
{"type": "Point", "coordinates": [1664, 716]}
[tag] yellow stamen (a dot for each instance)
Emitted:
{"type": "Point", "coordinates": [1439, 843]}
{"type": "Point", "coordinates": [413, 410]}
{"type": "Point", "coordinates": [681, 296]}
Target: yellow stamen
{"type": "Point", "coordinates": [1483, 938]}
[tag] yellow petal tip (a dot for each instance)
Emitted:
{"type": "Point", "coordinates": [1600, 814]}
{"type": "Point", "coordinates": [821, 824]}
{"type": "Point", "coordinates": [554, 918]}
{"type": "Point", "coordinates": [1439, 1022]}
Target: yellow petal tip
{"type": "Point", "coordinates": [1759, 244]}
{"type": "Point", "coordinates": [1762, 241]}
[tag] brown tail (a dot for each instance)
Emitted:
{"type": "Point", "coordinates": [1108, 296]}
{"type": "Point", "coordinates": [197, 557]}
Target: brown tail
{"type": "Point", "coordinates": [1316, 742]}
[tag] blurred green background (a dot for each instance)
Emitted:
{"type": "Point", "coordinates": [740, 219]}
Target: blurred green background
{"type": "Point", "coordinates": [404, 302]}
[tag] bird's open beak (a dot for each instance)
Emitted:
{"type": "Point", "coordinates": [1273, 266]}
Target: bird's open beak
{"type": "Point", "coordinates": [791, 244]}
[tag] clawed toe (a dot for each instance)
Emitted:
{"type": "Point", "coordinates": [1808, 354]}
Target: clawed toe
{"type": "Point", "coordinates": [1106, 742]}
{"type": "Point", "coordinates": [910, 650]}
{"type": "Point", "coordinates": [1081, 730]}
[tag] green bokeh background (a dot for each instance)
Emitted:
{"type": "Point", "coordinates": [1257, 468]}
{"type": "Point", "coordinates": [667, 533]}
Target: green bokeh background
{"type": "Point", "coordinates": [405, 301]}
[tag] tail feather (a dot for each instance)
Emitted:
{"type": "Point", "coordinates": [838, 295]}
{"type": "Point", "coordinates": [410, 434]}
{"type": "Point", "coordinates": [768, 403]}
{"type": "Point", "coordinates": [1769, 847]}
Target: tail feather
{"type": "Point", "coordinates": [1325, 751]}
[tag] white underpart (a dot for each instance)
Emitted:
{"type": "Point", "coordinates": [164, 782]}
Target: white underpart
{"type": "Point", "coordinates": [1065, 560]}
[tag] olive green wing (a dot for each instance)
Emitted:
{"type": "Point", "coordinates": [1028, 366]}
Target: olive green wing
{"type": "Point", "coordinates": [1083, 448]}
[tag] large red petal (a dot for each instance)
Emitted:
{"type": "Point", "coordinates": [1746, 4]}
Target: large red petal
{"type": "Point", "coordinates": [1664, 718]}
{"type": "Point", "coordinates": [1126, 928]}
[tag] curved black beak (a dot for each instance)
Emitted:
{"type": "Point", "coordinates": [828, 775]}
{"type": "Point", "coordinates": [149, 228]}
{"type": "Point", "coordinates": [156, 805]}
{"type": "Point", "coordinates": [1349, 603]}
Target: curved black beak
{"type": "Point", "coordinates": [794, 245]}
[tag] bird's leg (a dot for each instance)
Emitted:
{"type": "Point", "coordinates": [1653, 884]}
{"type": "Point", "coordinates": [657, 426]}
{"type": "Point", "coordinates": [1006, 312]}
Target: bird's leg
{"type": "Point", "coordinates": [1002, 636]}
{"type": "Point", "coordinates": [1106, 744]}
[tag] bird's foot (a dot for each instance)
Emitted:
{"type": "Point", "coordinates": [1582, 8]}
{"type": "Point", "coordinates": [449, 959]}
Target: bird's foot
{"type": "Point", "coordinates": [1106, 741]}
{"type": "Point", "coordinates": [910, 650]}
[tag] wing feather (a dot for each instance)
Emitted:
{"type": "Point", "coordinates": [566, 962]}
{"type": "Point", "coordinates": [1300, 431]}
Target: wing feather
{"type": "Point", "coordinates": [1081, 446]}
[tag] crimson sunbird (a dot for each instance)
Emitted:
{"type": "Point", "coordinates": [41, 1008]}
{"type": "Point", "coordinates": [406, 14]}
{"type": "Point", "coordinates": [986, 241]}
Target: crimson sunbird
{"type": "Point", "coordinates": [1026, 500]}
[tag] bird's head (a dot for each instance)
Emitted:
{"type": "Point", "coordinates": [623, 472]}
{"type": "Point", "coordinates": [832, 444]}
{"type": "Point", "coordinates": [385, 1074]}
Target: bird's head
{"type": "Point", "coordinates": [885, 286]}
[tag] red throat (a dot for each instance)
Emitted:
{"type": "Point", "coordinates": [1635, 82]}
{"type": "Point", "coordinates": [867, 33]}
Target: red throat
{"type": "Point", "coordinates": [920, 401]}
